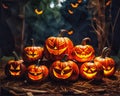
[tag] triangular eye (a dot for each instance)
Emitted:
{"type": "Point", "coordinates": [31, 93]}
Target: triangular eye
{"type": "Point", "coordinates": [58, 68]}
{"type": "Point", "coordinates": [11, 67]}
{"type": "Point", "coordinates": [18, 67]}
{"type": "Point", "coordinates": [85, 68]}
{"type": "Point", "coordinates": [67, 68]}
{"type": "Point", "coordinates": [93, 69]}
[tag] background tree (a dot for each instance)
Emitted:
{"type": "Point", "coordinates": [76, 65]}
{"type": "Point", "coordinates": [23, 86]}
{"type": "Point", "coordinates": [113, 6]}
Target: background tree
{"type": "Point", "coordinates": [43, 19]}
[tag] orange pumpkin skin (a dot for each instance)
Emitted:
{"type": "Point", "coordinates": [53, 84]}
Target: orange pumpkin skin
{"type": "Point", "coordinates": [37, 73]}
{"type": "Point", "coordinates": [108, 65]}
{"type": "Point", "coordinates": [91, 70]}
{"type": "Point", "coordinates": [15, 69]}
{"type": "Point", "coordinates": [83, 52]}
{"type": "Point", "coordinates": [57, 47]}
{"type": "Point", "coordinates": [32, 53]}
{"type": "Point", "coordinates": [107, 62]}
{"type": "Point", "coordinates": [64, 70]}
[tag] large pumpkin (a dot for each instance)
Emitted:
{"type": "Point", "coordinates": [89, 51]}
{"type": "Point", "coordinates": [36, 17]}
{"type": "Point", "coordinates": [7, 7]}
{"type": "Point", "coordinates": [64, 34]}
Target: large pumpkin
{"type": "Point", "coordinates": [64, 70]}
{"type": "Point", "coordinates": [107, 62]}
{"type": "Point", "coordinates": [91, 70]}
{"type": "Point", "coordinates": [37, 72]}
{"type": "Point", "coordinates": [57, 47]}
{"type": "Point", "coordinates": [83, 52]}
{"type": "Point", "coordinates": [15, 68]}
{"type": "Point", "coordinates": [32, 53]}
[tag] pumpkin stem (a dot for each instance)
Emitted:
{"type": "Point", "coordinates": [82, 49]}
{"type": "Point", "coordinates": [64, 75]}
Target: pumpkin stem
{"type": "Point", "coordinates": [15, 55]}
{"type": "Point", "coordinates": [62, 31]}
{"type": "Point", "coordinates": [107, 53]}
{"type": "Point", "coordinates": [64, 58]}
{"type": "Point", "coordinates": [103, 55]}
{"type": "Point", "coordinates": [33, 42]}
{"type": "Point", "coordinates": [85, 40]}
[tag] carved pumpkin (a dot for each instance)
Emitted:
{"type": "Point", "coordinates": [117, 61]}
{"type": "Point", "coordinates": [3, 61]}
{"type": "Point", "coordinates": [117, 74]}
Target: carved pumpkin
{"type": "Point", "coordinates": [37, 73]}
{"type": "Point", "coordinates": [107, 62]}
{"type": "Point", "coordinates": [57, 47]}
{"type": "Point", "coordinates": [15, 68]}
{"type": "Point", "coordinates": [64, 70]}
{"type": "Point", "coordinates": [32, 53]}
{"type": "Point", "coordinates": [83, 52]}
{"type": "Point", "coordinates": [91, 70]}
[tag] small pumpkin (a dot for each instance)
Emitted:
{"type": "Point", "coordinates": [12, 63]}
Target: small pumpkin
{"type": "Point", "coordinates": [15, 67]}
{"type": "Point", "coordinates": [91, 70]}
{"type": "Point", "coordinates": [37, 72]}
{"type": "Point", "coordinates": [83, 52]}
{"type": "Point", "coordinates": [56, 47]}
{"type": "Point", "coordinates": [64, 70]}
{"type": "Point", "coordinates": [107, 62]}
{"type": "Point", "coordinates": [32, 53]}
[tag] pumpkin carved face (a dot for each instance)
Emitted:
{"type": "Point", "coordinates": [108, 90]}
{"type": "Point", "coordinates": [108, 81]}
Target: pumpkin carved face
{"type": "Point", "coordinates": [83, 52]}
{"type": "Point", "coordinates": [67, 70]}
{"type": "Point", "coordinates": [37, 73]}
{"type": "Point", "coordinates": [15, 69]}
{"type": "Point", "coordinates": [56, 47]}
{"type": "Point", "coordinates": [107, 63]}
{"type": "Point", "coordinates": [90, 70]}
{"type": "Point", "coordinates": [32, 53]}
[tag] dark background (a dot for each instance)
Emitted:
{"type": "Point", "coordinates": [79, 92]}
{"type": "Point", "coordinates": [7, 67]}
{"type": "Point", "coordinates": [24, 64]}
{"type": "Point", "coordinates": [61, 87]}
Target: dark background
{"type": "Point", "coordinates": [11, 26]}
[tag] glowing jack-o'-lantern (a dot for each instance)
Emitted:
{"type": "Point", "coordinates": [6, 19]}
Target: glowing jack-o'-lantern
{"type": "Point", "coordinates": [32, 53]}
{"type": "Point", "coordinates": [57, 47]}
{"type": "Point", "coordinates": [107, 62]}
{"type": "Point", "coordinates": [83, 52]}
{"type": "Point", "coordinates": [91, 70]}
{"type": "Point", "coordinates": [37, 73]}
{"type": "Point", "coordinates": [64, 70]}
{"type": "Point", "coordinates": [15, 68]}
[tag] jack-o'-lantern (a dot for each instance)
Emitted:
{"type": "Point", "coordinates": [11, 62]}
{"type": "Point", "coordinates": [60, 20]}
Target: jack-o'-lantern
{"type": "Point", "coordinates": [32, 53]}
{"type": "Point", "coordinates": [57, 47]}
{"type": "Point", "coordinates": [107, 62]}
{"type": "Point", "coordinates": [37, 73]}
{"type": "Point", "coordinates": [83, 52]}
{"type": "Point", "coordinates": [91, 70]}
{"type": "Point", "coordinates": [15, 68]}
{"type": "Point", "coordinates": [64, 70]}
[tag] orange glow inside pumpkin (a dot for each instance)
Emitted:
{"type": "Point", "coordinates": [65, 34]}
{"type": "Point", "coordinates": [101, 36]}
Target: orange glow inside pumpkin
{"type": "Point", "coordinates": [62, 72]}
{"type": "Point", "coordinates": [35, 73]}
{"type": "Point", "coordinates": [56, 46]}
{"type": "Point", "coordinates": [15, 70]}
{"type": "Point", "coordinates": [109, 67]}
{"type": "Point", "coordinates": [33, 53]}
{"type": "Point", "coordinates": [89, 71]}
{"type": "Point", "coordinates": [84, 53]}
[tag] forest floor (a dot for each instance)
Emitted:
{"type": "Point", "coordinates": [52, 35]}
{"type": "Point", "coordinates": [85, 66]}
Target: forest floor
{"type": "Point", "coordinates": [106, 87]}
